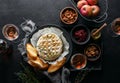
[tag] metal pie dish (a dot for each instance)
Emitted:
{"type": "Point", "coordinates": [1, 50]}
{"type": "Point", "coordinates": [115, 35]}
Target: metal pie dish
{"type": "Point", "coordinates": [65, 35]}
{"type": "Point", "coordinates": [84, 32]}
{"type": "Point", "coordinates": [92, 51]}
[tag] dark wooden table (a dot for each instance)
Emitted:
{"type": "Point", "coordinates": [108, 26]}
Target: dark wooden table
{"type": "Point", "coordinates": [47, 12]}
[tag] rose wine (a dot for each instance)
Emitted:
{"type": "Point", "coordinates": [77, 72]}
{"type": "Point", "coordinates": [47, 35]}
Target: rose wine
{"type": "Point", "coordinates": [78, 61]}
{"type": "Point", "coordinates": [10, 32]}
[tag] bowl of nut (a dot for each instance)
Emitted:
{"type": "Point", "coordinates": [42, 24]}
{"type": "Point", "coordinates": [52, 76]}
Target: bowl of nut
{"type": "Point", "coordinates": [93, 52]}
{"type": "Point", "coordinates": [80, 34]}
{"type": "Point", "coordinates": [68, 15]}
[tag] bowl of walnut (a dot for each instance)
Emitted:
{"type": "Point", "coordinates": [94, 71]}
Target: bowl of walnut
{"type": "Point", "coordinates": [93, 52]}
{"type": "Point", "coordinates": [68, 15]}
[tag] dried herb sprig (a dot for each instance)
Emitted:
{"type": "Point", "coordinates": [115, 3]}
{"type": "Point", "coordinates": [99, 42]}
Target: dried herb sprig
{"type": "Point", "coordinates": [27, 76]}
{"type": "Point", "coordinates": [81, 75]}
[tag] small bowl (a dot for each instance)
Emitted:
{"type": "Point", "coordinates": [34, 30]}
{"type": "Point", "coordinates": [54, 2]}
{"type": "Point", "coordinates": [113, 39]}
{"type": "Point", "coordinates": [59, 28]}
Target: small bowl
{"type": "Point", "coordinates": [78, 61]}
{"type": "Point", "coordinates": [68, 15]}
{"type": "Point", "coordinates": [97, 35]}
{"type": "Point", "coordinates": [93, 52]}
{"type": "Point", "coordinates": [80, 34]}
{"type": "Point", "coordinates": [115, 25]}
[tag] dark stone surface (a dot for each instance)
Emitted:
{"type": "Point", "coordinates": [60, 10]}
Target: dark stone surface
{"type": "Point", "coordinates": [47, 12]}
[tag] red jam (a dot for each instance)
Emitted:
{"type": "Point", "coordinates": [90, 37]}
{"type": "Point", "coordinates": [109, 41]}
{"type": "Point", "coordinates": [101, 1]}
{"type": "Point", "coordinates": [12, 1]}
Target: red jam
{"type": "Point", "coordinates": [80, 35]}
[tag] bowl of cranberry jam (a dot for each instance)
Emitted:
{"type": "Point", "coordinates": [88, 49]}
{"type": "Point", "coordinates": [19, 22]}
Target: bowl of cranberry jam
{"type": "Point", "coordinates": [80, 34]}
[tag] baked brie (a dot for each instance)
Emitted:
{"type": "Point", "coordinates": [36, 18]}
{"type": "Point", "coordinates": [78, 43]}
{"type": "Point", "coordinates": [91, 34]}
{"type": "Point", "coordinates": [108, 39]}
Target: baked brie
{"type": "Point", "coordinates": [49, 46]}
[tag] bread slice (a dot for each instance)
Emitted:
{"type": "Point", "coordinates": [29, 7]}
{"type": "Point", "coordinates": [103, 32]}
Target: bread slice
{"type": "Point", "coordinates": [38, 64]}
{"type": "Point", "coordinates": [54, 67]}
{"type": "Point", "coordinates": [32, 52]}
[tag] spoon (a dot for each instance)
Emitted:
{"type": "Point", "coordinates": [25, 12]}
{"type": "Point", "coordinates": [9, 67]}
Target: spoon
{"type": "Point", "coordinates": [98, 30]}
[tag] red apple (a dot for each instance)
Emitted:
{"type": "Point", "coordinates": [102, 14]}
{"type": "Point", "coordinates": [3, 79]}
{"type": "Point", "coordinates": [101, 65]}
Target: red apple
{"type": "Point", "coordinates": [81, 0]}
{"type": "Point", "coordinates": [95, 10]}
{"type": "Point", "coordinates": [81, 3]}
{"type": "Point", "coordinates": [86, 10]}
{"type": "Point", "coordinates": [92, 2]}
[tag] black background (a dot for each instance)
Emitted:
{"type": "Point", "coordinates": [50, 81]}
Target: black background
{"type": "Point", "coordinates": [47, 12]}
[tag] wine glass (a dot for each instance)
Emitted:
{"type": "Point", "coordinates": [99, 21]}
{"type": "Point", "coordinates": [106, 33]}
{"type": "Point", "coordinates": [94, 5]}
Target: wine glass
{"type": "Point", "coordinates": [11, 32]}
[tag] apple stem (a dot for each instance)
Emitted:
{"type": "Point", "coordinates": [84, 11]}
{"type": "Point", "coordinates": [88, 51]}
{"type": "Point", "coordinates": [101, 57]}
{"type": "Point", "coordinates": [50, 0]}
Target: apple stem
{"type": "Point", "coordinates": [98, 30]}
